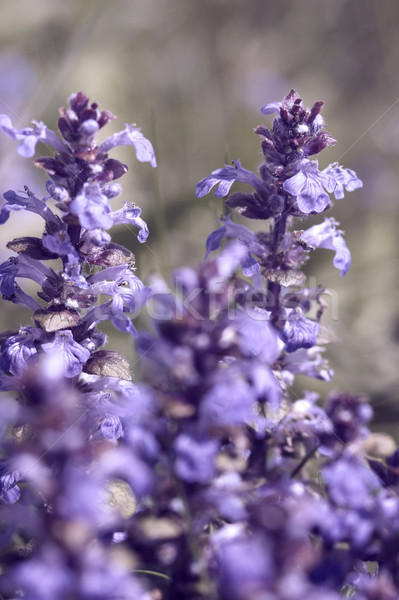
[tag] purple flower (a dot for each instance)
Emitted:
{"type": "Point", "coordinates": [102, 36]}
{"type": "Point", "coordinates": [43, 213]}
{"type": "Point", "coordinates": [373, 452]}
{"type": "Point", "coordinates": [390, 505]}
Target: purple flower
{"type": "Point", "coordinates": [308, 187]}
{"type": "Point", "coordinates": [18, 350]}
{"type": "Point", "coordinates": [103, 578]}
{"type": "Point", "coordinates": [131, 136]}
{"type": "Point", "coordinates": [350, 482]}
{"type": "Point", "coordinates": [224, 179]}
{"type": "Point", "coordinates": [46, 576]}
{"type": "Point", "coordinates": [130, 214]}
{"type": "Point", "coordinates": [244, 236]}
{"type": "Point", "coordinates": [60, 244]}
{"type": "Point", "coordinates": [349, 416]}
{"type": "Point", "coordinates": [299, 332]}
{"type": "Point", "coordinates": [246, 568]}
{"type": "Point", "coordinates": [265, 385]}
{"type": "Point", "coordinates": [342, 178]}
{"type": "Point", "coordinates": [270, 108]}
{"type": "Point", "coordinates": [121, 463]}
{"type": "Point", "coordinates": [295, 127]}
{"type": "Point", "coordinates": [9, 491]}
{"type": "Point", "coordinates": [30, 203]}
{"type": "Point", "coordinates": [111, 427]}
{"type": "Point", "coordinates": [123, 286]}
{"type": "Point", "coordinates": [326, 235]}
{"type": "Point", "coordinates": [105, 312]}
{"type": "Point", "coordinates": [91, 207]}
{"type": "Point", "coordinates": [73, 354]}
{"type": "Point", "coordinates": [29, 136]}
{"type": "Point", "coordinates": [229, 401]}
{"type": "Point", "coordinates": [195, 459]}
{"type": "Point", "coordinates": [309, 362]}
{"type": "Point", "coordinates": [257, 337]}
{"type": "Point", "coordinates": [25, 267]}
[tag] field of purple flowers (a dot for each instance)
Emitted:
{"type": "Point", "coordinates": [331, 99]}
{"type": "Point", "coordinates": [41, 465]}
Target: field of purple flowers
{"type": "Point", "coordinates": [198, 373]}
{"type": "Point", "coordinates": [211, 477]}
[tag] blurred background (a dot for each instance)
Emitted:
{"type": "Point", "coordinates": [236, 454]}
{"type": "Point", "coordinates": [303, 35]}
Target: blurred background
{"type": "Point", "coordinates": [193, 75]}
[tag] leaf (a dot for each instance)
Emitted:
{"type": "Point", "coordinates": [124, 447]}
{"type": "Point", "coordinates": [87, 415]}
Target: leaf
{"type": "Point", "coordinates": [56, 318]}
{"type": "Point", "coordinates": [31, 246]}
{"type": "Point", "coordinates": [111, 256]}
{"type": "Point", "coordinates": [285, 278]}
{"type": "Point", "coordinates": [106, 363]}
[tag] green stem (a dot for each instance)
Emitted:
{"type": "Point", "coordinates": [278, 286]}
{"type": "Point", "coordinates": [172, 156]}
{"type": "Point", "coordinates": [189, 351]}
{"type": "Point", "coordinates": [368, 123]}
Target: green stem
{"type": "Point", "coordinates": [304, 461]}
{"type": "Point", "coordinates": [274, 289]}
{"type": "Point", "coordinates": [153, 573]}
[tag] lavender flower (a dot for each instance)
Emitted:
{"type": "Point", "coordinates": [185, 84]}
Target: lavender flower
{"type": "Point", "coordinates": [51, 470]}
{"type": "Point", "coordinates": [81, 175]}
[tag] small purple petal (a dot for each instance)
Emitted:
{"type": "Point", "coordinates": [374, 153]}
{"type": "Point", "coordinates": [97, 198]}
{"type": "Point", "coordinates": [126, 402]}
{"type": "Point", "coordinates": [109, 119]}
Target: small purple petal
{"type": "Point", "coordinates": [295, 184]}
{"type": "Point", "coordinates": [342, 178]}
{"type": "Point", "coordinates": [249, 265]}
{"type": "Point", "coordinates": [326, 235]}
{"type": "Point", "coordinates": [73, 354]}
{"type": "Point", "coordinates": [131, 136]}
{"type": "Point", "coordinates": [214, 240]}
{"type": "Point", "coordinates": [195, 459]}
{"type": "Point", "coordinates": [9, 491]}
{"type": "Point", "coordinates": [224, 179]}
{"type": "Point", "coordinates": [60, 243]}
{"type": "Point", "coordinates": [29, 136]}
{"type": "Point", "coordinates": [229, 401]}
{"type": "Point", "coordinates": [270, 108]}
{"type": "Point", "coordinates": [299, 332]}
{"type": "Point", "coordinates": [18, 350]}
{"type": "Point", "coordinates": [308, 187]}
{"type": "Point", "coordinates": [111, 428]}
{"type": "Point", "coordinates": [91, 207]}
{"type": "Point", "coordinates": [131, 214]}
{"type": "Point", "coordinates": [30, 203]}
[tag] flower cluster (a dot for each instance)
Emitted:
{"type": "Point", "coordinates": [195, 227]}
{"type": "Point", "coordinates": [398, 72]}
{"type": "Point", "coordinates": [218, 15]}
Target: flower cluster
{"type": "Point", "coordinates": [65, 484]}
{"type": "Point", "coordinates": [211, 480]}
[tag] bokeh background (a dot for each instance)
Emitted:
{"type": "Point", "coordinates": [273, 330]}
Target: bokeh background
{"type": "Point", "coordinates": [193, 75]}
